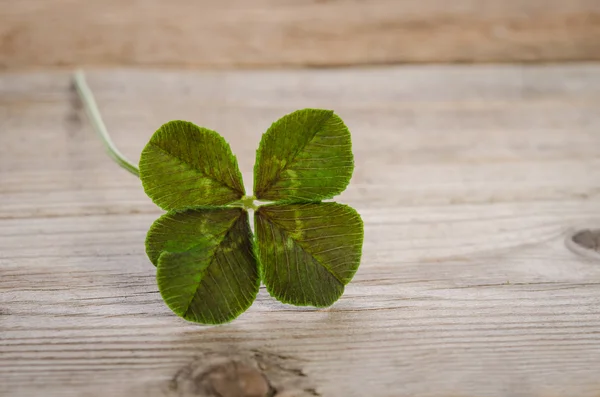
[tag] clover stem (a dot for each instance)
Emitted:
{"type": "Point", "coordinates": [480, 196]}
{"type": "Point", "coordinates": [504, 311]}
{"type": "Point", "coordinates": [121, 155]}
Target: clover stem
{"type": "Point", "coordinates": [91, 108]}
{"type": "Point", "coordinates": [248, 202]}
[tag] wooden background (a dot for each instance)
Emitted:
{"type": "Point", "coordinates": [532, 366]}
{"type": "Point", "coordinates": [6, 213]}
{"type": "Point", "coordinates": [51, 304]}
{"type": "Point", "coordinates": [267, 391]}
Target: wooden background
{"type": "Point", "coordinates": [478, 185]}
{"type": "Point", "coordinates": [470, 180]}
{"type": "Point", "coordinates": [276, 33]}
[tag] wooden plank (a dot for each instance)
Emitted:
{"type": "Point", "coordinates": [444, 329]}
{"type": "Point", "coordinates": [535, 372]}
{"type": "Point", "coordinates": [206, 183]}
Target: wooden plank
{"type": "Point", "coordinates": [239, 33]}
{"type": "Point", "coordinates": [470, 181]}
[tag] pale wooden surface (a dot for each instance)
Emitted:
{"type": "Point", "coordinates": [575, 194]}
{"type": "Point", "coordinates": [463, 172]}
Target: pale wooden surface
{"type": "Point", "coordinates": [469, 179]}
{"type": "Point", "coordinates": [251, 33]}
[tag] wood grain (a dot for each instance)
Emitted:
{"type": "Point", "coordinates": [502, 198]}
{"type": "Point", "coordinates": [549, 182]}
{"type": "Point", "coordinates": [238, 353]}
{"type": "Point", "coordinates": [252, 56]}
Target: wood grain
{"type": "Point", "coordinates": [279, 33]}
{"type": "Point", "coordinates": [469, 180]}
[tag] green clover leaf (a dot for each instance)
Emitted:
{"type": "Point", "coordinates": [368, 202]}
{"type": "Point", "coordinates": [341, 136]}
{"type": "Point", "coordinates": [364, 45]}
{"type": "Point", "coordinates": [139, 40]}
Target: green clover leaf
{"type": "Point", "coordinates": [184, 165]}
{"type": "Point", "coordinates": [208, 266]}
{"type": "Point", "coordinates": [309, 252]}
{"type": "Point", "coordinates": [304, 156]}
{"type": "Point", "coordinates": [207, 270]}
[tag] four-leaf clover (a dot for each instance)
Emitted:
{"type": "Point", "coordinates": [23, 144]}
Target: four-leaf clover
{"type": "Point", "coordinates": [209, 264]}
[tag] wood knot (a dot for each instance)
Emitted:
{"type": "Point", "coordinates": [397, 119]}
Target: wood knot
{"type": "Point", "coordinates": [241, 374]}
{"type": "Point", "coordinates": [585, 242]}
{"type": "Point", "coordinates": [235, 379]}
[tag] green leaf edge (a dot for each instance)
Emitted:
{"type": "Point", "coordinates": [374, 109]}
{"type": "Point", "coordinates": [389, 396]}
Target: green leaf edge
{"type": "Point", "coordinates": [231, 155]}
{"type": "Point", "coordinates": [362, 228]}
{"type": "Point", "coordinates": [260, 150]}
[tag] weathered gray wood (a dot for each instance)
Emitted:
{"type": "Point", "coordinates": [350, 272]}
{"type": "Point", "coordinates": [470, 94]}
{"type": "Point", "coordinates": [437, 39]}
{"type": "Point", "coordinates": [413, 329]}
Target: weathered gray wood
{"type": "Point", "coordinates": [242, 33]}
{"type": "Point", "coordinates": [469, 180]}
